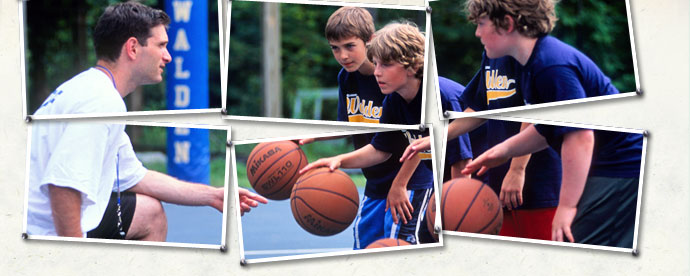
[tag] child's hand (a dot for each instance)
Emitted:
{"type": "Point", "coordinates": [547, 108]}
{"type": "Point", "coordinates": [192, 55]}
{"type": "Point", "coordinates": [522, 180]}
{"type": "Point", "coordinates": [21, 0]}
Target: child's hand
{"type": "Point", "coordinates": [306, 141]}
{"type": "Point", "coordinates": [561, 223]}
{"type": "Point", "coordinates": [399, 204]}
{"type": "Point", "coordinates": [332, 163]}
{"type": "Point", "coordinates": [415, 147]}
{"type": "Point", "coordinates": [491, 158]}
{"type": "Point", "coordinates": [511, 189]}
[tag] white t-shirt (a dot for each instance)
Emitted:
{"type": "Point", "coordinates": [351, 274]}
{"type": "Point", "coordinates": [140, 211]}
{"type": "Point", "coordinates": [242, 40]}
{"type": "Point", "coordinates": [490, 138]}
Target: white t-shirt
{"type": "Point", "coordinates": [80, 155]}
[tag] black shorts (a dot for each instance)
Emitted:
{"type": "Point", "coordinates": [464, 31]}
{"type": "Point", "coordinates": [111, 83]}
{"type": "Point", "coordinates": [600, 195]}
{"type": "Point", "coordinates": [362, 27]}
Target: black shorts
{"type": "Point", "coordinates": [108, 229]}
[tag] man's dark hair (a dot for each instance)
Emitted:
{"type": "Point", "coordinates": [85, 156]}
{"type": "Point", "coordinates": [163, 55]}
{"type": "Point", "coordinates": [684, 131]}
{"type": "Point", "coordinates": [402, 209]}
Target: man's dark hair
{"type": "Point", "coordinates": [122, 21]}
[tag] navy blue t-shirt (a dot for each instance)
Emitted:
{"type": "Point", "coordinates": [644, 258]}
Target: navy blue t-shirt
{"type": "Point", "coordinates": [361, 100]}
{"type": "Point", "coordinates": [615, 154]}
{"type": "Point", "coordinates": [556, 72]}
{"type": "Point", "coordinates": [458, 148]}
{"type": "Point", "coordinates": [498, 85]}
{"type": "Point", "coordinates": [399, 111]}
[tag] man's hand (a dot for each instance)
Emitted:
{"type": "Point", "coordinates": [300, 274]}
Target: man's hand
{"type": "Point", "coordinates": [561, 223]}
{"type": "Point", "coordinates": [511, 189]}
{"type": "Point", "coordinates": [249, 200]}
{"type": "Point", "coordinates": [332, 163]}
{"type": "Point", "coordinates": [399, 204]}
{"type": "Point", "coordinates": [415, 147]}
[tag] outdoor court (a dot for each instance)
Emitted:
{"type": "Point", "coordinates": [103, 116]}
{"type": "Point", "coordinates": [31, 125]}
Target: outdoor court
{"type": "Point", "coordinates": [270, 230]}
{"type": "Point", "coordinates": [193, 224]}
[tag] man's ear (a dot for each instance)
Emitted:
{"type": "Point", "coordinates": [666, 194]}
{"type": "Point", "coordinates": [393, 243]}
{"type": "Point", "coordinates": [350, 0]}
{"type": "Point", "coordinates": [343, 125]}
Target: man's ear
{"type": "Point", "coordinates": [131, 48]}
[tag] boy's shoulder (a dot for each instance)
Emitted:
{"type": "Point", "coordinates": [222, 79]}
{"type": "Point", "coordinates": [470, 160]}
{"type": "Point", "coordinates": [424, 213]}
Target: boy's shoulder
{"type": "Point", "coordinates": [550, 51]}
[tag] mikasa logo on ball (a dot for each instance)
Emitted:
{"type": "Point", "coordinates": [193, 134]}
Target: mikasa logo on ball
{"type": "Point", "coordinates": [277, 175]}
{"type": "Point", "coordinates": [262, 159]}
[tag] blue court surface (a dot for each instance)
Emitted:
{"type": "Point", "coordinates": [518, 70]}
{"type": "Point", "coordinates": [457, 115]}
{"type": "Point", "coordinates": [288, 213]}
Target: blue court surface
{"type": "Point", "coordinates": [270, 230]}
{"type": "Point", "coordinates": [193, 224]}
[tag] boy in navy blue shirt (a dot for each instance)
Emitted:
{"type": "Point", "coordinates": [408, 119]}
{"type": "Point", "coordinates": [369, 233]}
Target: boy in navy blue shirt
{"type": "Point", "coordinates": [397, 52]}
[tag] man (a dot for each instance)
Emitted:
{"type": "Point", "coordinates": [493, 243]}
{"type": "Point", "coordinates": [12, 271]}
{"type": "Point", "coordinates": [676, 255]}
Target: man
{"type": "Point", "coordinates": [79, 169]}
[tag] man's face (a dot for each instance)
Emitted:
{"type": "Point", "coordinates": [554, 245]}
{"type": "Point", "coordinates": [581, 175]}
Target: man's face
{"type": "Point", "coordinates": [154, 56]}
{"type": "Point", "coordinates": [351, 53]}
{"type": "Point", "coordinates": [495, 42]}
{"type": "Point", "coordinates": [391, 76]}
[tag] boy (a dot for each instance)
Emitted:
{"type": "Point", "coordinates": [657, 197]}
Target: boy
{"type": "Point", "coordinates": [360, 100]}
{"type": "Point", "coordinates": [397, 51]}
{"type": "Point", "coordinates": [544, 69]}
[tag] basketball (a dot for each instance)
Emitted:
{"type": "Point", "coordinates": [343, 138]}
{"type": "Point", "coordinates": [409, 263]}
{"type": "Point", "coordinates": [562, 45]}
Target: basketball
{"type": "Point", "coordinates": [387, 242]}
{"type": "Point", "coordinates": [431, 216]}
{"type": "Point", "coordinates": [468, 205]}
{"type": "Point", "coordinates": [272, 168]}
{"type": "Point", "coordinates": [323, 202]}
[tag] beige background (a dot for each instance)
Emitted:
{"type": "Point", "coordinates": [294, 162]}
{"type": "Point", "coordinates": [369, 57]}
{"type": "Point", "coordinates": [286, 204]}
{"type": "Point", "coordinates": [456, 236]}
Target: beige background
{"type": "Point", "coordinates": [661, 35]}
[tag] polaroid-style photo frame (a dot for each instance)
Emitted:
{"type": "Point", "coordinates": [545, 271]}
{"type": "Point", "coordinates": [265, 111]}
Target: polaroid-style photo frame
{"type": "Point", "coordinates": [58, 44]}
{"type": "Point", "coordinates": [294, 78]}
{"type": "Point", "coordinates": [155, 166]}
{"type": "Point", "coordinates": [604, 34]}
{"type": "Point", "coordinates": [608, 209]}
{"type": "Point", "coordinates": [273, 232]}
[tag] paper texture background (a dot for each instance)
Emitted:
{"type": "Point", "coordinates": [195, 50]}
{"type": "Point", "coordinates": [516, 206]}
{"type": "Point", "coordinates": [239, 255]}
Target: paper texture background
{"type": "Point", "coordinates": [662, 33]}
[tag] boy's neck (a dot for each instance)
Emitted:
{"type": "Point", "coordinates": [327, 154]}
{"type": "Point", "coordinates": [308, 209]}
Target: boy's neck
{"type": "Point", "coordinates": [409, 91]}
{"type": "Point", "coordinates": [524, 48]}
{"type": "Point", "coordinates": [367, 68]}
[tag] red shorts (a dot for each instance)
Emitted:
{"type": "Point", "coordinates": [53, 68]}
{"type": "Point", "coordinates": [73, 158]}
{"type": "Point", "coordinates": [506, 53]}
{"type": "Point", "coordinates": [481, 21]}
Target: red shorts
{"type": "Point", "coordinates": [532, 223]}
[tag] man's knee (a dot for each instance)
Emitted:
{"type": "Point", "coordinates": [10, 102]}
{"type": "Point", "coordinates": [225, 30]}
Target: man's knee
{"type": "Point", "coordinates": [149, 222]}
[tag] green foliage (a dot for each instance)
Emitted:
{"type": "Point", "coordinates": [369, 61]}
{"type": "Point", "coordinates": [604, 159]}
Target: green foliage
{"type": "Point", "coordinates": [598, 28]}
{"type": "Point", "coordinates": [306, 58]}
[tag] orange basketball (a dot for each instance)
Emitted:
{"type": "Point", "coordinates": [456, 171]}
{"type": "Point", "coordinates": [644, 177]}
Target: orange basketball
{"type": "Point", "coordinates": [468, 205]}
{"type": "Point", "coordinates": [387, 242]}
{"type": "Point", "coordinates": [272, 168]}
{"type": "Point", "coordinates": [431, 216]}
{"type": "Point", "coordinates": [323, 202]}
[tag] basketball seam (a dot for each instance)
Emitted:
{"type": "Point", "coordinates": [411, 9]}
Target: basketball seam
{"type": "Point", "coordinates": [490, 222]}
{"type": "Point", "coordinates": [270, 165]}
{"type": "Point", "coordinates": [329, 191]}
{"type": "Point", "coordinates": [295, 173]}
{"type": "Point", "coordinates": [443, 199]}
{"type": "Point", "coordinates": [319, 173]}
{"type": "Point", "coordinates": [318, 213]}
{"type": "Point", "coordinates": [469, 207]}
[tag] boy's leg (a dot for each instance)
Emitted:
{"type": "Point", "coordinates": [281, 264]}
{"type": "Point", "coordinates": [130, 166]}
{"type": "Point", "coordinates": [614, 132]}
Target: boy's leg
{"type": "Point", "coordinates": [410, 231]}
{"type": "Point", "coordinates": [107, 228]}
{"type": "Point", "coordinates": [368, 225]}
{"type": "Point", "coordinates": [606, 212]}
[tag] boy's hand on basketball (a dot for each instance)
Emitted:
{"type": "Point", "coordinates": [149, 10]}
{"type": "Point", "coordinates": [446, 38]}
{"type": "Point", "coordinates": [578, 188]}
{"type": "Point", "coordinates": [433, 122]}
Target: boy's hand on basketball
{"type": "Point", "coordinates": [561, 223]}
{"type": "Point", "coordinates": [415, 147]}
{"type": "Point", "coordinates": [511, 189]}
{"type": "Point", "coordinates": [491, 158]}
{"type": "Point", "coordinates": [332, 163]}
{"type": "Point", "coordinates": [249, 200]}
{"type": "Point", "coordinates": [399, 204]}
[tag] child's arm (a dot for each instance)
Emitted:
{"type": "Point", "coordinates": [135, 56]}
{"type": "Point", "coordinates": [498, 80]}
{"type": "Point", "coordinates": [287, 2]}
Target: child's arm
{"type": "Point", "coordinates": [456, 128]}
{"type": "Point", "coordinates": [514, 180]}
{"type": "Point", "coordinates": [457, 167]}
{"type": "Point", "coordinates": [527, 141]}
{"type": "Point", "coordinates": [312, 140]}
{"type": "Point", "coordinates": [397, 198]}
{"type": "Point", "coordinates": [576, 158]}
{"type": "Point", "coordinates": [364, 157]}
